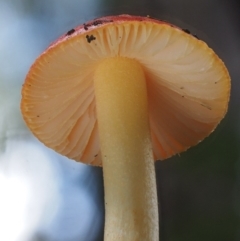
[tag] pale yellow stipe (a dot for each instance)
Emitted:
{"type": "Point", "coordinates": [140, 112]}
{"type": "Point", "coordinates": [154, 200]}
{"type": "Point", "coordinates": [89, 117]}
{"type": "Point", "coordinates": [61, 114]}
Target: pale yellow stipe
{"type": "Point", "coordinates": [128, 165]}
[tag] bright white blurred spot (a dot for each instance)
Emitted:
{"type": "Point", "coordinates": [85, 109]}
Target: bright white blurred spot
{"type": "Point", "coordinates": [42, 192]}
{"type": "Point", "coordinates": [13, 206]}
{"type": "Point", "coordinates": [28, 188]}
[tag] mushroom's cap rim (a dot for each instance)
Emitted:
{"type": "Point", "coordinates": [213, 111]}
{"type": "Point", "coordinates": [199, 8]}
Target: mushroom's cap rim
{"type": "Point", "coordinates": [108, 20]}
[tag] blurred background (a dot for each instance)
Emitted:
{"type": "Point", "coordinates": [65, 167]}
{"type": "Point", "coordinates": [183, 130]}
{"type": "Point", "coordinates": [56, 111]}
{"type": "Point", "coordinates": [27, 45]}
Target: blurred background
{"type": "Point", "coordinates": [46, 197]}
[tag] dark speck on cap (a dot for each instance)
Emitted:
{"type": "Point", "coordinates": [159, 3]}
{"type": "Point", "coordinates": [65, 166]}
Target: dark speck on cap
{"type": "Point", "coordinates": [70, 32]}
{"type": "Point", "coordinates": [187, 31]}
{"type": "Point", "coordinates": [90, 38]}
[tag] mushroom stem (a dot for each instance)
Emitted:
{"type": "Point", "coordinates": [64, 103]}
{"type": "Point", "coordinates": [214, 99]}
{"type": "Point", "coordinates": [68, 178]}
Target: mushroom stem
{"type": "Point", "coordinates": [128, 164]}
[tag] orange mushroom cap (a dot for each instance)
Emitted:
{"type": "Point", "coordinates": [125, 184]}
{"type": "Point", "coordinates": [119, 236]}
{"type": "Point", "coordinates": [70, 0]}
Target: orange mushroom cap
{"type": "Point", "coordinates": [188, 86]}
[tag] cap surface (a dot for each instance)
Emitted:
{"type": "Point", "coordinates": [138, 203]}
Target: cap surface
{"type": "Point", "coordinates": [188, 86]}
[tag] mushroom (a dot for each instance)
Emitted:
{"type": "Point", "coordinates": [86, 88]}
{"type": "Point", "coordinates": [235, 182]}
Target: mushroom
{"type": "Point", "coordinates": [120, 92]}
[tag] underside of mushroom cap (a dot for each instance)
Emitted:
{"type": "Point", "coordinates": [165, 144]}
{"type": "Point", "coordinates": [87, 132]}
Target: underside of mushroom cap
{"type": "Point", "coordinates": [188, 86]}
